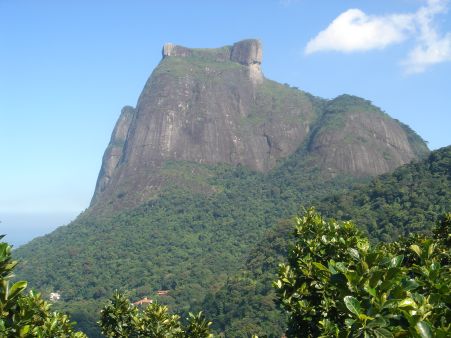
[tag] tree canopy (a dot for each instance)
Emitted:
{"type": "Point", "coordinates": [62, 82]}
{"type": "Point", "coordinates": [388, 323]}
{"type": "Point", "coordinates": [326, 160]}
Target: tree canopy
{"type": "Point", "coordinates": [27, 315]}
{"type": "Point", "coordinates": [335, 284]}
{"type": "Point", "coordinates": [122, 319]}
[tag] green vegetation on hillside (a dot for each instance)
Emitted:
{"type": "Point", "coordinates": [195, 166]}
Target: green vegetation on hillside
{"type": "Point", "coordinates": [27, 315]}
{"type": "Point", "coordinates": [186, 242]}
{"type": "Point", "coordinates": [334, 284]}
{"type": "Point", "coordinates": [197, 65]}
{"type": "Point", "coordinates": [397, 204]}
{"type": "Point", "coordinates": [194, 244]}
{"type": "Point", "coordinates": [246, 304]}
{"type": "Point", "coordinates": [122, 319]}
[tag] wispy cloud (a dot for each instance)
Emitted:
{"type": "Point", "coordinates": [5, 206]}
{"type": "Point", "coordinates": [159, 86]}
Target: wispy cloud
{"type": "Point", "coordinates": [431, 47]}
{"type": "Point", "coordinates": [353, 31]}
{"type": "Point", "coordinates": [356, 31]}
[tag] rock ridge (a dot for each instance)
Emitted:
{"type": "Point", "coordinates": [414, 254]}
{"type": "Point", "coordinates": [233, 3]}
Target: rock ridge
{"type": "Point", "coordinates": [214, 106]}
{"type": "Point", "coordinates": [247, 52]}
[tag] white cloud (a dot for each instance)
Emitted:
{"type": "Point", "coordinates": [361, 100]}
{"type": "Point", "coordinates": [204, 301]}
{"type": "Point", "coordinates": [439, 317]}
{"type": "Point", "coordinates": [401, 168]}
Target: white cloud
{"type": "Point", "coordinates": [428, 53]}
{"type": "Point", "coordinates": [355, 31]}
{"type": "Point", "coordinates": [431, 48]}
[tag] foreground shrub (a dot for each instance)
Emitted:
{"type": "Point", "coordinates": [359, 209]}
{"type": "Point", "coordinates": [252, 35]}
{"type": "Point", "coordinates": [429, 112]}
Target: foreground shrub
{"type": "Point", "coordinates": [336, 285]}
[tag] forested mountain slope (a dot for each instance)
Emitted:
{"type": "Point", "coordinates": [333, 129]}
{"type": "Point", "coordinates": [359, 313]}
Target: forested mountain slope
{"type": "Point", "coordinates": [186, 242]}
{"type": "Point", "coordinates": [397, 204]}
{"type": "Point", "coordinates": [413, 196]}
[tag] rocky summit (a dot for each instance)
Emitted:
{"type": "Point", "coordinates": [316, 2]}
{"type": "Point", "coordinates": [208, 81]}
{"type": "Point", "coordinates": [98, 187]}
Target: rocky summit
{"type": "Point", "coordinates": [215, 106]}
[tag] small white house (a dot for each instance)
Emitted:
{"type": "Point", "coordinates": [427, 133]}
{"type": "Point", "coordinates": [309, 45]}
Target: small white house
{"type": "Point", "coordinates": [55, 296]}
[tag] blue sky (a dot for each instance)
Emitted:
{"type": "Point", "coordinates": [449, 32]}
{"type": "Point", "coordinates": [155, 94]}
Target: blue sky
{"type": "Point", "coordinates": [68, 67]}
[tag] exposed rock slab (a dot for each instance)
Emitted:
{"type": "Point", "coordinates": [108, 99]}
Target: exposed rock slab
{"type": "Point", "coordinates": [215, 106]}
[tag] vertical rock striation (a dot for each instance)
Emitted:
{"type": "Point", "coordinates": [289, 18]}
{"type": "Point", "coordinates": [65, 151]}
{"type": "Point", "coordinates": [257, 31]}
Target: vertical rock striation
{"type": "Point", "coordinates": [215, 106]}
{"type": "Point", "coordinates": [249, 53]}
{"type": "Point", "coordinates": [115, 150]}
{"type": "Point", "coordinates": [355, 137]}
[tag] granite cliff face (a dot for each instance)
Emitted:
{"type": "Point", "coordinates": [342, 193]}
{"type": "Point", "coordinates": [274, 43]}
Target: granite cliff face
{"type": "Point", "coordinates": [355, 137]}
{"type": "Point", "coordinates": [215, 106]}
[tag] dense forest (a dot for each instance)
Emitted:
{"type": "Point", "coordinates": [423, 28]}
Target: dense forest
{"type": "Point", "coordinates": [334, 284]}
{"type": "Point", "coordinates": [397, 204]}
{"type": "Point", "coordinates": [29, 315]}
{"type": "Point", "coordinates": [196, 236]}
{"type": "Point", "coordinates": [246, 303]}
{"type": "Point", "coordinates": [193, 240]}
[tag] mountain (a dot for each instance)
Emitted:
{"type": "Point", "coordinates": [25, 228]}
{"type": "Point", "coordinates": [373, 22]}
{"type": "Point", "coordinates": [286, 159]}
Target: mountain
{"type": "Point", "coordinates": [209, 160]}
{"type": "Point", "coordinates": [215, 106]}
{"type": "Point", "coordinates": [388, 207]}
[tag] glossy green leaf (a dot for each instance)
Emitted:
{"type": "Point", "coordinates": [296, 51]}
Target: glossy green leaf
{"type": "Point", "coordinates": [354, 253]}
{"type": "Point", "coordinates": [431, 249]}
{"type": "Point", "coordinates": [387, 295]}
{"type": "Point", "coordinates": [415, 248]}
{"type": "Point", "coordinates": [370, 290]}
{"type": "Point", "coordinates": [363, 245]}
{"type": "Point", "coordinates": [17, 288]}
{"type": "Point", "coordinates": [382, 333]}
{"type": "Point", "coordinates": [409, 284]}
{"type": "Point", "coordinates": [396, 261]}
{"type": "Point", "coordinates": [435, 298]}
{"type": "Point", "coordinates": [352, 304]}
{"type": "Point", "coordinates": [24, 330]}
{"type": "Point", "coordinates": [340, 266]}
{"type": "Point", "coordinates": [375, 278]}
{"type": "Point", "coordinates": [352, 276]}
{"type": "Point", "coordinates": [378, 322]}
{"type": "Point", "coordinates": [423, 329]}
{"type": "Point", "coordinates": [331, 266]}
{"type": "Point", "coordinates": [408, 302]}
{"type": "Point", "coordinates": [392, 273]}
{"type": "Point", "coordinates": [363, 316]}
{"type": "Point", "coordinates": [320, 266]}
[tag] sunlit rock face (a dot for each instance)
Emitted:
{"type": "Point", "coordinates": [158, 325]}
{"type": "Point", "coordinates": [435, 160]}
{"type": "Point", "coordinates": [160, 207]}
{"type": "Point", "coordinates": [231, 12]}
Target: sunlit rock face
{"type": "Point", "coordinates": [356, 137]}
{"type": "Point", "coordinates": [215, 106]}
